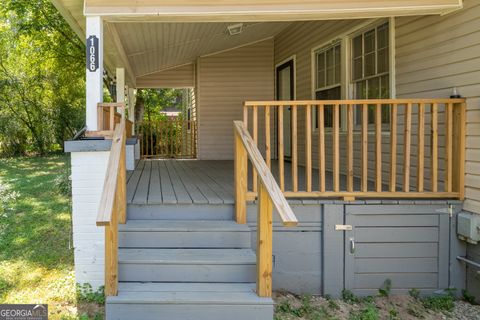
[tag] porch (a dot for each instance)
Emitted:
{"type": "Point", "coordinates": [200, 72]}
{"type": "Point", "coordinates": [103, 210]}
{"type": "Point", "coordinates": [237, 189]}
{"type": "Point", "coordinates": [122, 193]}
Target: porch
{"type": "Point", "coordinates": [201, 181]}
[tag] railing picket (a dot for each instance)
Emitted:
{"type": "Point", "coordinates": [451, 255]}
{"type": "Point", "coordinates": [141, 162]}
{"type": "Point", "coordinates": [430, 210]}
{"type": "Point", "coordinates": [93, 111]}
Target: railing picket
{"type": "Point", "coordinates": [321, 147]}
{"type": "Point", "coordinates": [365, 147]}
{"type": "Point", "coordinates": [255, 139]}
{"type": "Point", "coordinates": [350, 125]}
{"type": "Point", "coordinates": [281, 154]}
{"type": "Point", "coordinates": [336, 148]}
{"type": "Point", "coordinates": [294, 150]}
{"type": "Point", "coordinates": [393, 148]}
{"type": "Point", "coordinates": [407, 147]}
{"type": "Point", "coordinates": [434, 148]}
{"type": "Point", "coordinates": [308, 147]}
{"type": "Point", "coordinates": [241, 177]}
{"type": "Point", "coordinates": [448, 146]}
{"type": "Point", "coordinates": [378, 147]}
{"type": "Point", "coordinates": [421, 147]}
{"type": "Point", "coordinates": [268, 157]}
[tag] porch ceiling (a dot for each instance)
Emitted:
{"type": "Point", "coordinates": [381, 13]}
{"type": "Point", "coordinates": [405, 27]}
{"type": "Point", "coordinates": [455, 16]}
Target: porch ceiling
{"type": "Point", "coordinates": [148, 36]}
{"type": "Point", "coordinates": [152, 47]}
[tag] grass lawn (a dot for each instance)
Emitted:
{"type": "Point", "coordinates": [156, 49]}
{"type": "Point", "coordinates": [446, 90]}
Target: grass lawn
{"type": "Point", "coordinates": [36, 254]}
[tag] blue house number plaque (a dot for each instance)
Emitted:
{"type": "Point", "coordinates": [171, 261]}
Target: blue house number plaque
{"type": "Point", "coordinates": [92, 53]}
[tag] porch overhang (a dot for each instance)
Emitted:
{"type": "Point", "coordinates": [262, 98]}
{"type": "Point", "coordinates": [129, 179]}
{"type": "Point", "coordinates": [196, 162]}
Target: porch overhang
{"type": "Point", "coordinates": [262, 10]}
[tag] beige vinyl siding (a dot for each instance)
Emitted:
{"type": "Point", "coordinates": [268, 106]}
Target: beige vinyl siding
{"type": "Point", "coordinates": [435, 54]}
{"type": "Point", "coordinates": [225, 81]}
{"type": "Point", "coordinates": [299, 40]}
{"type": "Point", "coordinates": [179, 77]}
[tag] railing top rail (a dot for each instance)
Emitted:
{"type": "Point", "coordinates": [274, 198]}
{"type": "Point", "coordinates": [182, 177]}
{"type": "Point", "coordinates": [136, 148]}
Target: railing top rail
{"type": "Point", "coordinates": [278, 199]}
{"type": "Point", "coordinates": [107, 201]}
{"type": "Point", "coordinates": [344, 102]}
{"type": "Point", "coordinates": [110, 104]}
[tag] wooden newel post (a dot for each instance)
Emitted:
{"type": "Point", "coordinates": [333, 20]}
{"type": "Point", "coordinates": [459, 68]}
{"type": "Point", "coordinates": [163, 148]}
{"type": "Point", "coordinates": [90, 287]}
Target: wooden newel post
{"type": "Point", "coordinates": [458, 183]}
{"type": "Point", "coordinates": [111, 257]}
{"type": "Point", "coordinates": [240, 173]}
{"type": "Point", "coordinates": [264, 243]}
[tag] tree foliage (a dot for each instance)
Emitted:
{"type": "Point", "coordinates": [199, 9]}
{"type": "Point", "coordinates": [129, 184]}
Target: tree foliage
{"type": "Point", "coordinates": [42, 78]}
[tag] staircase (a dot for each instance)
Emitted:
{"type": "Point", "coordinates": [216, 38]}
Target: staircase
{"type": "Point", "coordinates": [186, 269]}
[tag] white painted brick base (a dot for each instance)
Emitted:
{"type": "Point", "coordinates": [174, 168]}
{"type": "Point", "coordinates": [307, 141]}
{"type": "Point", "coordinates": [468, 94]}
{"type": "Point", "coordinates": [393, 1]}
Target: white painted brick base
{"type": "Point", "coordinates": [88, 174]}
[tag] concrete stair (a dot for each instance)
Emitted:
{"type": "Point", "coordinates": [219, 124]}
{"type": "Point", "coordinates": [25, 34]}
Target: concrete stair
{"type": "Point", "coordinates": [186, 269]}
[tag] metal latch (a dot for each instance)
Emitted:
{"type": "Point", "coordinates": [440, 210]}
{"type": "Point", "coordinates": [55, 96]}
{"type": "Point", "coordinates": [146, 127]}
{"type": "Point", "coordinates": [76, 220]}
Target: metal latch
{"type": "Point", "coordinates": [343, 227]}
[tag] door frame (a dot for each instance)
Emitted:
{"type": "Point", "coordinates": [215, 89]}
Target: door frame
{"type": "Point", "coordinates": [292, 63]}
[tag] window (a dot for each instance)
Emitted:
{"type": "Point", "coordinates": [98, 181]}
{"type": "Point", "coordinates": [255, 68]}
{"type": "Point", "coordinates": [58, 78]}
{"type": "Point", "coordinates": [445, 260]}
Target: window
{"type": "Point", "coordinates": [328, 80]}
{"type": "Point", "coordinates": [371, 68]}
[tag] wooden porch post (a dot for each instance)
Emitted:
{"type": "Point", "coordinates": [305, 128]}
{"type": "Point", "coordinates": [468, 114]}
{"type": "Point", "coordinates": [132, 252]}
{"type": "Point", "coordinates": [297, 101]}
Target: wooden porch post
{"type": "Point", "coordinates": [94, 69]}
{"type": "Point", "coordinates": [120, 73]}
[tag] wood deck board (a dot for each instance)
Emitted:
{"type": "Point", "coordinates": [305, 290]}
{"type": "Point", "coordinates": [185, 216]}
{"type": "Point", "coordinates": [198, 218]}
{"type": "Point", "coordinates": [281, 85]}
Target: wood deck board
{"type": "Point", "coordinates": [203, 182]}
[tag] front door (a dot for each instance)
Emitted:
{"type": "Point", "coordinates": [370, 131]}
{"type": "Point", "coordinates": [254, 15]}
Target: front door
{"type": "Point", "coordinates": [285, 91]}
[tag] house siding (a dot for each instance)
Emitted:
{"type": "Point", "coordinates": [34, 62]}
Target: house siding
{"type": "Point", "coordinates": [179, 77]}
{"type": "Point", "coordinates": [435, 54]}
{"type": "Point", "coordinates": [225, 81]}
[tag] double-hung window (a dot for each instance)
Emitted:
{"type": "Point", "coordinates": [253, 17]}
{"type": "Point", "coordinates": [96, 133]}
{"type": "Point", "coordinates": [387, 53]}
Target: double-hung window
{"type": "Point", "coordinates": [328, 79]}
{"type": "Point", "coordinates": [371, 68]}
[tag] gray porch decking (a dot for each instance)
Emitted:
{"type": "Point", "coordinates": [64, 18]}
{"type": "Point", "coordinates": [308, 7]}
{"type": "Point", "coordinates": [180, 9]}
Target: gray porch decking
{"type": "Point", "coordinates": [200, 181]}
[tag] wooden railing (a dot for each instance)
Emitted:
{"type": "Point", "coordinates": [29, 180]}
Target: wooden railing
{"type": "Point", "coordinates": [376, 176]}
{"type": "Point", "coordinates": [113, 205]}
{"type": "Point", "coordinates": [108, 117]}
{"type": "Point", "coordinates": [168, 138]}
{"type": "Point", "coordinates": [269, 196]}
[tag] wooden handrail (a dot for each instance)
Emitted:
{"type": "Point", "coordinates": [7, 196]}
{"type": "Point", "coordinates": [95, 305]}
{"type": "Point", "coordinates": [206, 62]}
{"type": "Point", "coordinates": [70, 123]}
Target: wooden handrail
{"type": "Point", "coordinates": [113, 205]}
{"type": "Point", "coordinates": [269, 196]}
{"type": "Point", "coordinates": [411, 123]}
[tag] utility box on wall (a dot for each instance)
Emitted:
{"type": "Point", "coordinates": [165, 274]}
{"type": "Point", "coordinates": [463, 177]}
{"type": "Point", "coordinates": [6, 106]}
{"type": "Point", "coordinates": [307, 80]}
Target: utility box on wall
{"type": "Point", "coordinates": [469, 227]}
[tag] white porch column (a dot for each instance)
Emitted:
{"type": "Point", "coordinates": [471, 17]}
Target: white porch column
{"type": "Point", "coordinates": [94, 69]}
{"type": "Point", "coordinates": [121, 86]}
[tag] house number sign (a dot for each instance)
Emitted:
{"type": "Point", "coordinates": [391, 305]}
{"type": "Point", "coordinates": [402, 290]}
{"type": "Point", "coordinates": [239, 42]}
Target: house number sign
{"type": "Point", "coordinates": [92, 53]}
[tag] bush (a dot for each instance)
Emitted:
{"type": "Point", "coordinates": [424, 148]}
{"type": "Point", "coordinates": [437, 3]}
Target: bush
{"type": "Point", "coordinates": [63, 182]}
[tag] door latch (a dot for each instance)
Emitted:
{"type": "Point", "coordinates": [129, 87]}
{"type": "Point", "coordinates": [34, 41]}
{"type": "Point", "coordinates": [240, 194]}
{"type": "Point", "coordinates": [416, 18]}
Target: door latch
{"type": "Point", "coordinates": [343, 227]}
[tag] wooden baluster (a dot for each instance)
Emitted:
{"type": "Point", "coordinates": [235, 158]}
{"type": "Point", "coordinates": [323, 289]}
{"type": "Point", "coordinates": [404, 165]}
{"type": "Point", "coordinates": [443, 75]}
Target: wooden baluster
{"type": "Point", "coordinates": [407, 147]}
{"type": "Point", "coordinates": [241, 177]}
{"type": "Point", "coordinates": [434, 148]}
{"type": "Point", "coordinates": [308, 147]}
{"type": "Point", "coordinates": [350, 148]}
{"type": "Point", "coordinates": [151, 139]}
{"type": "Point", "coordinates": [121, 194]}
{"type": "Point", "coordinates": [321, 147]}
{"type": "Point", "coordinates": [393, 148]}
{"type": "Point", "coordinates": [421, 147]}
{"type": "Point", "coordinates": [448, 147]}
{"type": "Point", "coordinates": [111, 258]}
{"type": "Point", "coordinates": [264, 243]}
{"type": "Point", "coordinates": [458, 183]}
{"type": "Point", "coordinates": [245, 116]}
{"type": "Point", "coordinates": [255, 139]}
{"type": "Point", "coordinates": [294, 149]}
{"type": "Point", "coordinates": [364, 148]}
{"type": "Point", "coordinates": [378, 147]}
{"type": "Point", "coordinates": [112, 119]}
{"type": "Point", "coordinates": [336, 148]}
{"type": "Point", "coordinates": [268, 156]}
{"type": "Point", "coordinates": [281, 154]}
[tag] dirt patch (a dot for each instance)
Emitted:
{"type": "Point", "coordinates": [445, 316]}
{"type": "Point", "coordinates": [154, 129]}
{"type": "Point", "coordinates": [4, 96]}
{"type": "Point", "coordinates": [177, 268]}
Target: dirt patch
{"type": "Point", "coordinates": [292, 307]}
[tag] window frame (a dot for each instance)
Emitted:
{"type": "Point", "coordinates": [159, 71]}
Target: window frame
{"type": "Point", "coordinates": [346, 69]}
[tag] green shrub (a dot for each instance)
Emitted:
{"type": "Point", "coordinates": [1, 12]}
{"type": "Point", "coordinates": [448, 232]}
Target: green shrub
{"type": "Point", "coordinates": [384, 290]}
{"type": "Point", "coordinates": [63, 182]}
{"type": "Point", "coordinates": [414, 293]}
{"type": "Point", "coordinates": [439, 303]}
{"type": "Point", "coordinates": [468, 297]}
{"type": "Point", "coordinates": [369, 312]}
{"type": "Point", "coordinates": [348, 296]}
{"type": "Point", "coordinates": [85, 293]}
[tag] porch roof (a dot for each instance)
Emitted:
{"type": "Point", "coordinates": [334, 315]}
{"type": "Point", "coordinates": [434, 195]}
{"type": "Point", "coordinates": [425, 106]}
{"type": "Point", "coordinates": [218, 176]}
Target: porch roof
{"type": "Point", "coordinates": [137, 41]}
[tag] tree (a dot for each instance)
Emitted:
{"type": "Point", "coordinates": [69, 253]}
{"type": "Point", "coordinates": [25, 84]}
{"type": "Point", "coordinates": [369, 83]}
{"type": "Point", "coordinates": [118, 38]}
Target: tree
{"type": "Point", "coordinates": [42, 81]}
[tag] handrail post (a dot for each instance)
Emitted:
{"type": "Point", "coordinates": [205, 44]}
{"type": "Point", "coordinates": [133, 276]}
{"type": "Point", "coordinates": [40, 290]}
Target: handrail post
{"type": "Point", "coordinates": [122, 183]}
{"type": "Point", "coordinates": [111, 257]}
{"type": "Point", "coordinates": [459, 132]}
{"type": "Point", "coordinates": [240, 173]}
{"type": "Point", "coordinates": [264, 242]}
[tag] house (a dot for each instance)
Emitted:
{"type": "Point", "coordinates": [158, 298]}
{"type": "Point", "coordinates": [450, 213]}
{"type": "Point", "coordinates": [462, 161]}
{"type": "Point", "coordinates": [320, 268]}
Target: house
{"type": "Point", "coordinates": [350, 128]}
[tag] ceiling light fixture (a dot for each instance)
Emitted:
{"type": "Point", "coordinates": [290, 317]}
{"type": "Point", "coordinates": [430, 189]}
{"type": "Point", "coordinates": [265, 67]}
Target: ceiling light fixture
{"type": "Point", "coordinates": [235, 29]}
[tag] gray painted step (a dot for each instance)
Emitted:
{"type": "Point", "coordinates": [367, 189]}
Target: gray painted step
{"type": "Point", "coordinates": [187, 265]}
{"type": "Point", "coordinates": [184, 234]}
{"type": "Point", "coordinates": [185, 301]}
{"type": "Point", "coordinates": [180, 212]}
